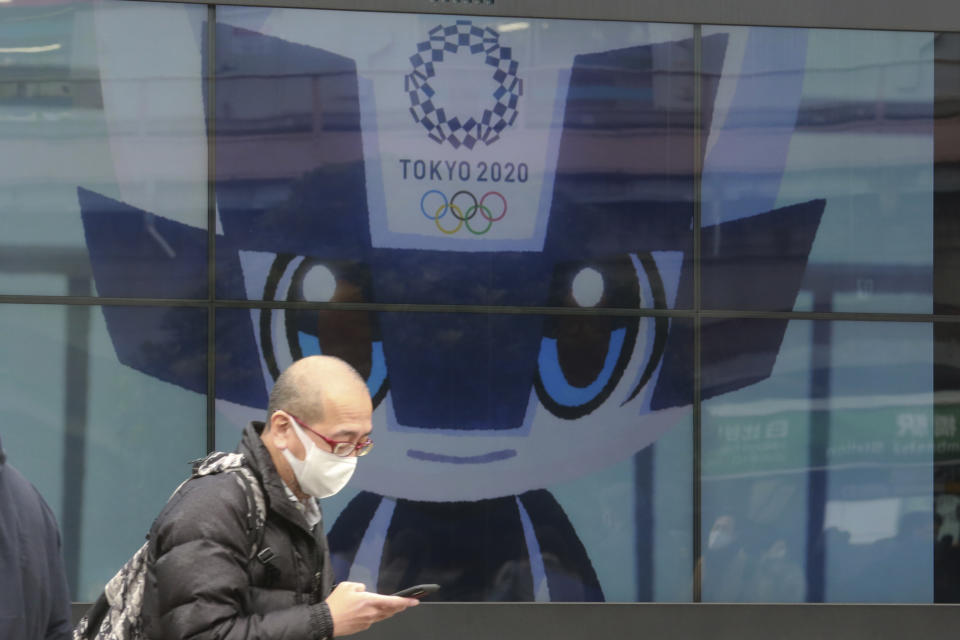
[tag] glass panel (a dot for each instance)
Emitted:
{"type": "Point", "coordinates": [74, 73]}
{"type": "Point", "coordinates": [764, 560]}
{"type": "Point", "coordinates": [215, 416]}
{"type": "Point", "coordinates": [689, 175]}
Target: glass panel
{"type": "Point", "coordinates": [104, 439]}
{"type": "Point", "coordinates": [453, 160]}
{"type": "Point", "coordinates": [818, 472]}
{"type": "Point", "coordinates": [818, 178]}
{"type": "Point", "coordinates": [542, 424]}
{"type": "Point", "coordinates": [947, 301]}
{"type": "Point", "coordinates": [103, 170]}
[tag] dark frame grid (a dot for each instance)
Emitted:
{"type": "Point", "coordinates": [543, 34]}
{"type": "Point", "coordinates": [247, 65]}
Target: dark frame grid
{"type": "Point", "coordinates": [923, 15]}
{"type": "Point", "coordinates": [698, 152]}
{"type": "Point", "coordinates": [82, 302]}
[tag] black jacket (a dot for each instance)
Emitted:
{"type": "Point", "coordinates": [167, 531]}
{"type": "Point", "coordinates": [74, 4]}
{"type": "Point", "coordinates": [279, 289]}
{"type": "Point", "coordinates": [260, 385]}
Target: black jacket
{"type": "Point", "coordinates": [201, 586]}
{"type": "Point", "coordinates": [34, 599]}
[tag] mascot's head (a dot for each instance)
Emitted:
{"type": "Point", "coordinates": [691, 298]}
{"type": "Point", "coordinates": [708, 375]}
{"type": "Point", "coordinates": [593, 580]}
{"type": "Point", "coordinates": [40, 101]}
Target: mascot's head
{"type": "Point", "coordinates": [504, 290]}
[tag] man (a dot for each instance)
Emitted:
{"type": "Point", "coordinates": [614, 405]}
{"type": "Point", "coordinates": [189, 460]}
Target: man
{"type": "Point", "coordinates": [34, 599]}
{"type": "Point", "coordinates": [200, 584]}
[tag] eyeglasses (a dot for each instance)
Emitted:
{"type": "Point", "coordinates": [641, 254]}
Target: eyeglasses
{"type": "Point", "coordinates": [341, 449]}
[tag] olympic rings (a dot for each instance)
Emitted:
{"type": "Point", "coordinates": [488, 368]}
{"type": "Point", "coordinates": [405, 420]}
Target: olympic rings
{"type": "Point", "coordinates": [502, 199]}
{"type": "Point", "coordinates": [437, 217]}
{"type": "Point", "coordinates": [489, 223]}
{"type": "Point", "coordinates": [443, 207]}
{"type": "Point", "coordinates": [471, 211]}
{"type": "Point", "coordinates": [463, 216]}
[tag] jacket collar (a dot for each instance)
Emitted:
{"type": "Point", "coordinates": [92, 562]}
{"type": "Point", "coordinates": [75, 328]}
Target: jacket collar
{"type": "Point", "coordinates": [258, 457]}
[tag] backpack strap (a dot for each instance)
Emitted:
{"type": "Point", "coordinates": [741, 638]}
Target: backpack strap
{"type": "Point", "coordinates": [256, 508]}
{"type": "Point", "coordinates": [220, 462]}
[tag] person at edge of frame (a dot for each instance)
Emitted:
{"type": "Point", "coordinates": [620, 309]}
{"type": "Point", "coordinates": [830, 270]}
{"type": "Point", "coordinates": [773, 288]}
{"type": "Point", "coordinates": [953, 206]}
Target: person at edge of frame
{"type": "Point", "coordinates": [34, 597]}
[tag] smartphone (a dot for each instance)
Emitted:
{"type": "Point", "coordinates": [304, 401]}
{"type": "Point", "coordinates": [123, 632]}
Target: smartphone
{"type": "Point", "coordinates": [418, 591]}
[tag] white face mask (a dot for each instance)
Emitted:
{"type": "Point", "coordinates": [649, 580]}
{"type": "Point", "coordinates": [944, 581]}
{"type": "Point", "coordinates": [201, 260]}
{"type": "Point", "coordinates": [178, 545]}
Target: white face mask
{"type": "Point", "coordinates": [320, 474]}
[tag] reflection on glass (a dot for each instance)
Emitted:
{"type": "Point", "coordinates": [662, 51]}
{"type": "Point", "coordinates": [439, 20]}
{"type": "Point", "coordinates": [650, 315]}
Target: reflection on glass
{"type": "Point", "coordinates": [819, 172]}
{"type": "Point", "coordinates": [480, 163]}
{"type": "Point", "coordinates": [541, 424]}
{"type": "Point", "coordinates": [104, 443]}
{"type": "Point", "coordinates": [103, 171]}
{"type": "Point", "coordinates": [947, 300]}
{"type": "Point", "coordinates": [817, 482]}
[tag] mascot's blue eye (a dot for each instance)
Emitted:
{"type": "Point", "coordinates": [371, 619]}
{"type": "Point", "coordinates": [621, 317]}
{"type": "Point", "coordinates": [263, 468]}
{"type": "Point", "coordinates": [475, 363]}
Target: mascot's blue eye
{"type": "Point", "coordinates": [351, 335]}
{"type": "Point", "coordinates": [583, 356]}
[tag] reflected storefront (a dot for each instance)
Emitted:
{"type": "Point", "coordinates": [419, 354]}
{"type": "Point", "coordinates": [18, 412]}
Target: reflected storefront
{"type": "Point", "coordinates": [649, 312]}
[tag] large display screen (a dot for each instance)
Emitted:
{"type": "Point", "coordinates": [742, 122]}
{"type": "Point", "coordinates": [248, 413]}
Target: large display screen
{"type": "Point", "coordinates": [648, 312]}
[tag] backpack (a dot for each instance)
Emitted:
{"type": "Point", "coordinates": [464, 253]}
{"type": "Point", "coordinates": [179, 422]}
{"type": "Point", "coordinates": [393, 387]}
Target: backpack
{"type": "Point", "coordinates": [116, 613]}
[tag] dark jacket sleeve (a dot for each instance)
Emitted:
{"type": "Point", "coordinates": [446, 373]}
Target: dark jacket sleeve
{"type": "Point", "coordinates": [197, 580]}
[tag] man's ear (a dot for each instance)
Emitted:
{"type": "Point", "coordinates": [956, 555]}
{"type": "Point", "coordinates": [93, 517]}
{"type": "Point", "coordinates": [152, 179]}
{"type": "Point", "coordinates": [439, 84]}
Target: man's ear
{"type": "Point", "coordinates": [280, 431]}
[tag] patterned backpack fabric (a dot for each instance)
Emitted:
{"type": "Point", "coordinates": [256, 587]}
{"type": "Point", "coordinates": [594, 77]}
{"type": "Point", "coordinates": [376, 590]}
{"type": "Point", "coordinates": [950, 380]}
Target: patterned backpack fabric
{"type": "Point", "coordinates": [116, 613]}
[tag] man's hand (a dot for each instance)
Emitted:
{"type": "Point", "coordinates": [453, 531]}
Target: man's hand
{"type": "Point", "coordinates": [353, 609]}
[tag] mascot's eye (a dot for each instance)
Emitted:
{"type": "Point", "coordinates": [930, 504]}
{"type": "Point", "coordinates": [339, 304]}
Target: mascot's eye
{"type": "Point", "coordinates": [587, 287]}
{"type": "Point", "coordinates": [351, 335]}
{"type": "Point", "coordinates": [583, 357]}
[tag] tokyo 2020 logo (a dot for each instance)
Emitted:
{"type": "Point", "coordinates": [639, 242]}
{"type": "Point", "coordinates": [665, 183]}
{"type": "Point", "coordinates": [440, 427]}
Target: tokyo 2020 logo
{"type": "Point", "coordinates": [500, 112]}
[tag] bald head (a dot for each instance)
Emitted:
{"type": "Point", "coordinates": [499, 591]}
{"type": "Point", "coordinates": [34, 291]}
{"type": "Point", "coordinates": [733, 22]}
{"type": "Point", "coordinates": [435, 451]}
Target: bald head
{"type": "Point", "coordinates": [304, 386]}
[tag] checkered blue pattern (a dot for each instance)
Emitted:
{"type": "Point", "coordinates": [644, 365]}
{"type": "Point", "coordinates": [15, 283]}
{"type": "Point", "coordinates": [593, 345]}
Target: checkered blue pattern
{"type": "Point", "coordinates": [442, 127]}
